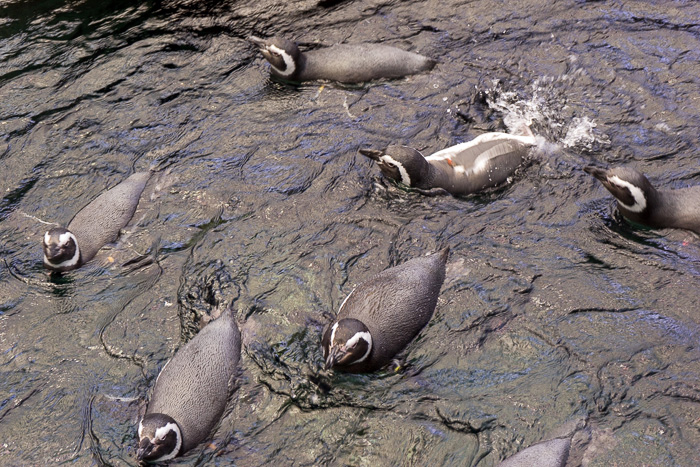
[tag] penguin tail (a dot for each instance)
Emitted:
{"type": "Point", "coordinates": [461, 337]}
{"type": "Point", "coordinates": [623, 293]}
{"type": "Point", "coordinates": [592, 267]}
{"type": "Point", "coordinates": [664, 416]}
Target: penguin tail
{"type": "Point", "coordinates": [222, 310]}
{"type": "Point", "coordinates": [444, 253]}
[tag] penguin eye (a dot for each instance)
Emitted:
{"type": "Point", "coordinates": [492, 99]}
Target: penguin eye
{"type": "Point", "coordinates": [274, 54]}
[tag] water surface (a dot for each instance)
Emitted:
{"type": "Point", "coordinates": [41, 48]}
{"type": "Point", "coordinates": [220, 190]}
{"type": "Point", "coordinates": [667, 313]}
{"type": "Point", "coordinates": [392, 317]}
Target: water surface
{"type": "Point", "coordinates": [555, 309]}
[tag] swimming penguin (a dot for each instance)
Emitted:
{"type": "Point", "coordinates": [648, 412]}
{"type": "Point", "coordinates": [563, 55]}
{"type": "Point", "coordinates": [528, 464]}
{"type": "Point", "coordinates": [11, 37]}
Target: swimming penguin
{"type": "Point", "coordinates": [95, 225]}
{"type": "Point", "coordinates": [382, 315]}
{"type": "Point", "coordinates": [486, 161]}
{"type": "Point", "coordinates": [345, 63]}
{"type": "Point", "coordinates": [640, 202]}
{"type": "Point", "coordinates": [191, 392]}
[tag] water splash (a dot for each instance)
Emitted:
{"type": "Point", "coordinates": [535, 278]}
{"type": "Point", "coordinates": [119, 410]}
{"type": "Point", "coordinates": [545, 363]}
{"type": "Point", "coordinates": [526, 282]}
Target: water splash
{"type": "Point", "coordinates": [546, 110]}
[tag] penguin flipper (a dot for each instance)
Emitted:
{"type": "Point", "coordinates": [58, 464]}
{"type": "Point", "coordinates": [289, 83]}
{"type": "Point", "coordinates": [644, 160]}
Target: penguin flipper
{"type": "Point", "coordinates": [437, 191]}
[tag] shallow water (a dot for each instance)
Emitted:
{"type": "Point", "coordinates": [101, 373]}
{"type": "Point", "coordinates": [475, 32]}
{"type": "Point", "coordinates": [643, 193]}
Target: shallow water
{"type": "Point", "coordinates": [555, 309]}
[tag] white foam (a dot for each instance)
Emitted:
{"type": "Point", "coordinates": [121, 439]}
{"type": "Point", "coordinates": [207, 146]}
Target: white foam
{"type": "Point", "coordinates": [547, 106]}
{"type": "Point", "coordinates": [580, 133]}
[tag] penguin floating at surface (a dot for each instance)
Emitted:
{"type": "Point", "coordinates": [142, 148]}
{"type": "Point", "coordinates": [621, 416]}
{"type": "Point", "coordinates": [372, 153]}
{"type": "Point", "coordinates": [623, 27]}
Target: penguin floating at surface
{"type": "Point", "coordinates": [345, 63]}
{"type": "Point", "coordinates": [486, 161]}
{"type": "Point", "coordinates": [191, 392]}
{"type": "Point", "coordinates": [94, 226]}
{"type": "Point", "coordinates": [383, 314]}
{"type": "Point", "coordinates": [640, 202]}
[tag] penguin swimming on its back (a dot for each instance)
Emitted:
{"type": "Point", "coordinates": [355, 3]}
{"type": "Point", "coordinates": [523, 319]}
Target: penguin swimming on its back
{"type": "Point", "coordinates": [486, 161]}
{"type": "Point", "coordinates": [383, 314]}
{"type": "Point", "coordinates": [94, 226]}
{"type": "Point", "coordinates": [345, 63]}
{"type": "Point", "coordinates": [640, 202]}
{"type": "Point", "coordinates": [191, 392]}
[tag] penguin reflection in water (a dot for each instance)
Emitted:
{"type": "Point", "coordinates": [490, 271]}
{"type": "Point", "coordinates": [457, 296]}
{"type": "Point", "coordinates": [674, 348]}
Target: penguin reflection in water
{"type": "Point", "coordinates": [484, 162]}
{"type": "Point", "coordinates": [94, 226]}
{"type": "Point", "coordinates": [345, 63]}
{"type": "Point", "coordinates": [383, 314]}
{"type": "Point", "coordinates": [640, 202]}
{"type": "Point", "coordinates": [191, 392]}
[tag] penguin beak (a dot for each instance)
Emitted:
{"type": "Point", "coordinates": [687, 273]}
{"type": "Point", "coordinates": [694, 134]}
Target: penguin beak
{"type": "Point", "coordinates": [338, 356]}
{"type": "Point", "coordinates": [257, 41]}
{"type": "Point", "coordinates": [334, 355]}
{"type": "Point", "coordinates": [262, 45]}
{"type": "Point", "coordinates": [600, 174]}
{"type": "Point", "coordinates": [145, 450]}
{"type": "Point", "coordinates": [52, 251]}
{"type": "Point", "coordinates": [372, 154]}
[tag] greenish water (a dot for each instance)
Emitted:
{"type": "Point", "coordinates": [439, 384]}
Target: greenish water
{"type": "Point", "coordinates": [555, 309]}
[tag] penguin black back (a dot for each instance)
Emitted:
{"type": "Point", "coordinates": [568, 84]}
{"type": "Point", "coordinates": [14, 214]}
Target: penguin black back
{"type": "Point", "coordinates": [94, 226]}
{"type": "Point", "coordinates": [345, 63]}
{"type": "Point", "coordinates": [192, 390]}
{"type": "Point", "coordinates": [393, 306]}
{"type": "Point", "coordinates": [640, 202]}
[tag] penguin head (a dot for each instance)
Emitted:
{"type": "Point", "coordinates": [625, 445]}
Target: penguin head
{"type": "Point", "coordinates": [283, 55]}
{"type": "Point", "coordinates": [61, 252]}
{"type": "Point", "coordinates": [160, 438]}
{"type": "Point", "coordinates": [401, 163]}
{"type": "Point", "coordinates": [630, 187]}
{"type": "Point", "coordinates": [346, 342]}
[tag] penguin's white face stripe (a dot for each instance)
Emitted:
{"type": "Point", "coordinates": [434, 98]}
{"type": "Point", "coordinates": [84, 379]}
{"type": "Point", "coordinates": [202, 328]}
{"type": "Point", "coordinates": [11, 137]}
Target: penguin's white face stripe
{"type": "Point", "coordinates": [161, 433]}
{"type": "Point", "coordinates": [405, 179]}
{"type": "Point", "coordinates": [333, 329]}
{"type": "Point", "coordinates": [346, 299]}
{"type": "Point", "coordinates": [140, 428]}
{"type": "Point", "coordinates": [365, 336]}
{"type": "Point", "coordinates": [288, 60]}
{"type": "Point", "coordinates": [640, 201]}
{"type": "Point", "coordinates": [63, 240]}
{"type": "Point", "coordinates": [65, 237]}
